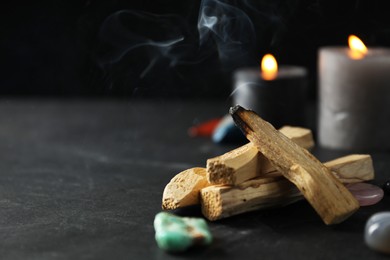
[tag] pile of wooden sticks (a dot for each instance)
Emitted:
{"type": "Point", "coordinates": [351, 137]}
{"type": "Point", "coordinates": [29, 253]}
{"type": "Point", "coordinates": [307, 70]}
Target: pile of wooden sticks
{"type": "Point", "coordinates": [274, 169]}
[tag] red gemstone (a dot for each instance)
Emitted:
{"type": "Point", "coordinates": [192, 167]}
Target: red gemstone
{"type": "Point", "coordinates": [204, 129]}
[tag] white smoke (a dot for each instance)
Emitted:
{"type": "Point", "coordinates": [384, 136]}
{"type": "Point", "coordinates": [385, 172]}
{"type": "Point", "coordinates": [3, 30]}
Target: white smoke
{"type": "Point", "coordinates": [229, 27]}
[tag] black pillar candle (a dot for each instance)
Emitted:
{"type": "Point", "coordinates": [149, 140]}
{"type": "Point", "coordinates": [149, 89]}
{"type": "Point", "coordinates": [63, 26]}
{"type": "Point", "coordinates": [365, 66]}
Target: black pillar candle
{"type": "Point", "coordinates": [280, 101]}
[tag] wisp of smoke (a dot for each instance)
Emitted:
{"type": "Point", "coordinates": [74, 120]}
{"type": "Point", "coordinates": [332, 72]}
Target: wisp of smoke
{"type": "Point", "coordinates": [230, 28]}
{"type": "Point", "coordinates": [223, 38]}
{"type": "Point", "coordinates": [127, 31]}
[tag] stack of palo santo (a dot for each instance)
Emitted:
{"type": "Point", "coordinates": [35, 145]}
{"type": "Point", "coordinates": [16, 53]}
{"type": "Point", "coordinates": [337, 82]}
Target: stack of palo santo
{"type": "Point", "coordinates": [274, 169]}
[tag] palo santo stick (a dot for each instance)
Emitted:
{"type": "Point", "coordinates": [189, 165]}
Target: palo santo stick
{"type": "Point", "coordinates": [327, 195]}
{"type": "Point", "coordinates": [234, 167]}
{"type": "Point", "coordinates": [274, 190]}
{"type": "Point", "coordinates": [183, 189]}
{"type": "Point", "coordinates": [222, 201]}
{"type": "Point", "coordinates": [349, 169]}
{"type": "Point", "coordinates": [299, 135]}
{"type": "Point", "coordinates": [352, 168]}
{"type": "Point", "coordinates": [246, 162]}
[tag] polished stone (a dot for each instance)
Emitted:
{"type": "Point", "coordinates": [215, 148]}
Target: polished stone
{"type": "Point", "coordinates": [365, 193]}
{"type": "Point", "coordinates": [175, 234]}
{"type": "Point", "coordinates": [377, 232]}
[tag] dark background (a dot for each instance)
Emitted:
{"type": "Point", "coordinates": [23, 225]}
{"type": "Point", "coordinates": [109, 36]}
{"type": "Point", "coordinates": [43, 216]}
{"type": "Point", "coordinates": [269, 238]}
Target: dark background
{"type": "Point", "coordinates": [74, 171]}
{"type": "Point", "coordinates": [152, 48]}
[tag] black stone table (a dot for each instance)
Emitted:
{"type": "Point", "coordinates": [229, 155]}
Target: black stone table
{"type": "Point", "coordinates": [83, 179]}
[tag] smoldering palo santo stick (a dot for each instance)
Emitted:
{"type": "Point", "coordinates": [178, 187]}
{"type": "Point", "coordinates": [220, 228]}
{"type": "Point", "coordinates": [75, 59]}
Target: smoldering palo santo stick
{"type": "Point", "coordinates": [327, 195]}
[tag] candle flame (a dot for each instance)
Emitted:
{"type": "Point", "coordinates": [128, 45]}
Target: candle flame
{"type": "Point", "coordinates": [357, 48]}
{"type": "Point", "coordinates": [269, 67]}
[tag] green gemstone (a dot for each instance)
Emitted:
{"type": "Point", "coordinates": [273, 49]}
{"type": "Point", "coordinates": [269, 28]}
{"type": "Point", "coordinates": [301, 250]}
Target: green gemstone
{"type": "Point", "coordinates": [175, 234]}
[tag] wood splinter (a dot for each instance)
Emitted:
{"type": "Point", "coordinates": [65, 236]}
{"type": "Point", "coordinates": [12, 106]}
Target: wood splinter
{"type": "Point", "coordinates": [245, 162]}
{"type": "Point", "coordinates": [327, 195]}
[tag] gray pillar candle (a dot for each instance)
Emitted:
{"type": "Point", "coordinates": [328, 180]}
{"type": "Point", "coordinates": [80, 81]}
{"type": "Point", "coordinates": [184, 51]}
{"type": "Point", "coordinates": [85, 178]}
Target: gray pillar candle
{"type": "Point", "coordinates": [280, 101]}
{"type": "Point", "coordinates": [354, 99]}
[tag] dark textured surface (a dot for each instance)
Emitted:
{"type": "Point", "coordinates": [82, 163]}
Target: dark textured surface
{"type": "Point", "coordinates": [84, 179]}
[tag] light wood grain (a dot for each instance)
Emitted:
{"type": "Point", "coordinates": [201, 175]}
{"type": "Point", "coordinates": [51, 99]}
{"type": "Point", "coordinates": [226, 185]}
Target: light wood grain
{"type": "Point", "coordinates": [183, 189]}
{"type": "Point", "coordinates": [327, 195]}
{"type": "Point", "coordinates": [222, 201]}
{"type": "Point", "coordinates": [245, 162]}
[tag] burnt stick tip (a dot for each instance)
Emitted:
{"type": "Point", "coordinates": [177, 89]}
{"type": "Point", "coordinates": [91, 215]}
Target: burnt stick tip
{"type": "Point", "coordinates": [238, 120]}
{"type": "Point", "coordinates": [234, 109]}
